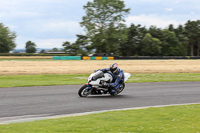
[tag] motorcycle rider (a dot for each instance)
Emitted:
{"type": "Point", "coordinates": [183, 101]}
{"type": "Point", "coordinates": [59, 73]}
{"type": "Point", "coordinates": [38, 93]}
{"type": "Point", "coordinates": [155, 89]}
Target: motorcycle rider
{"type": "Point", "coordinates": [118, 77]}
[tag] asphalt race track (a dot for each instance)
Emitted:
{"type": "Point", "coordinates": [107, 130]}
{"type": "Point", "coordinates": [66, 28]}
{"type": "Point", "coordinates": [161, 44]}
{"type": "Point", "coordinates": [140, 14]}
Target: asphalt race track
{"type": "Point", "coordinates": [28, 102]}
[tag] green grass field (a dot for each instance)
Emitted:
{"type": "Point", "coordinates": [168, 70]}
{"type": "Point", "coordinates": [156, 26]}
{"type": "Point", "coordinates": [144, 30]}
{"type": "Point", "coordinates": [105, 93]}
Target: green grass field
{"type": "Point", "coordinates": [66, 79]}
{"type": "Point", "coordinates": [173, 119]}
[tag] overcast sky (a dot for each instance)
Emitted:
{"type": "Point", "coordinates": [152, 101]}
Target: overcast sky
{"type": "Point", "coordinates": [49, 23]}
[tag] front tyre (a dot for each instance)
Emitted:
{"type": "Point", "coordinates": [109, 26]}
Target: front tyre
{"type": "Point", "coordinates": [84, 91]}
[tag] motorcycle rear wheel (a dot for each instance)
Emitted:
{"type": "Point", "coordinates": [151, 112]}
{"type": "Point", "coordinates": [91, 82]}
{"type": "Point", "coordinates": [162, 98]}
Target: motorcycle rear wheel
{"type": "Point", "coordinates": [83, 91]}
{"type": "Point", "coordinates": [121, 88]}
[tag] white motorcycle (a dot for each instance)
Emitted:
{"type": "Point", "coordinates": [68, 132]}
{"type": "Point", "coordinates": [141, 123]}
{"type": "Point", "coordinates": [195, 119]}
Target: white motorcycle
{"type": "Point", "coordinates": [95, 85]}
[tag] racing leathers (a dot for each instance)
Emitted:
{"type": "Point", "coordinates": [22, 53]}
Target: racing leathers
{"type": "Point", "coordinates": [118, 78]}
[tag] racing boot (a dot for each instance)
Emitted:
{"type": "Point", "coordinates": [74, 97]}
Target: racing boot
{"type": "Point", "coordinates": [113, 92]}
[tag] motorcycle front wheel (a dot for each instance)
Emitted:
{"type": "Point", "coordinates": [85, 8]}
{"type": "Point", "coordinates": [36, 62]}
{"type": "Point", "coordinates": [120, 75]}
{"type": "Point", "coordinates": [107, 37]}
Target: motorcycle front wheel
{"type": "Point", "coordinates": [84, 91]}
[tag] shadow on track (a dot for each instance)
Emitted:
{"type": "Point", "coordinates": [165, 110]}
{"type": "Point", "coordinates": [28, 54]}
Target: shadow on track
{"type": "Point", "coordinates": [109, 96]}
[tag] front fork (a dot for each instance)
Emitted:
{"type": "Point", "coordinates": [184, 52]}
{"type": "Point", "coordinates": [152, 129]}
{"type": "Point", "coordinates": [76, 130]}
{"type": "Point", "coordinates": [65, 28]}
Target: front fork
{"type": "Point", "coordinates": [89, 86]}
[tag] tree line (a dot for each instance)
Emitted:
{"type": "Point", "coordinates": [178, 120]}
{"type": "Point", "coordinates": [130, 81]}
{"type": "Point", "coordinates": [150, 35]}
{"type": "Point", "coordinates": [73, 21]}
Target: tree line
{"type": "Point", "coordinates": [106, 32]}
{"type": "Point", "coordinates": [138, 40]}
{"type": "Point", "coordinates": [181, 41]}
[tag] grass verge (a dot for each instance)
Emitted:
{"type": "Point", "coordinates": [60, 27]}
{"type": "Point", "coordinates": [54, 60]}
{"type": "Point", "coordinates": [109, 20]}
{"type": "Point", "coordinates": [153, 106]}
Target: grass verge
{"type": "Point", "coordinates": [66, 79]}
{"type": "Point", "coordinates": [173, 119]}
{"type": "Point", "coordinates": [42, 80]}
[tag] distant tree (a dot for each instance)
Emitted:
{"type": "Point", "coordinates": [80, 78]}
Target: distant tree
{"type": "Point", "coordinates": [171, 27]}
{"type": "Point", "coordinates": [150, 46]}
{"type": "Point", "coordinates": [30, 47]}
{"type": "Point", "coordinates": [67, 46]}
{"type": "Point", "coordinates": [132, 46]}
{"type": "Point", "coordinates": [7, 39]}
{"type": "Point", "coordinates": [71, 48]}
{"type": "Point", "coordinates": [193, 34]}
{"type": "Point", "coordinates": [198, 39]}
{"type": "Point", "coordinates": [156, 32]}
{"type": "Point", "coordinates": [80, 47]}
{"type": "Point", "coordinates": [42, 51]}
{"type": "Point", "coordinates": [183, 39]}
{"type": "Point", "coordinates": [171, 45]}
{"type": "Point", "coordinates": [102, 17]}
{"type": "Point", "coordinates": [55, 50]}
{"type": "Point", "coordinates": [82, 43]}
{"type": "Point", "coordinates": [110, 41]}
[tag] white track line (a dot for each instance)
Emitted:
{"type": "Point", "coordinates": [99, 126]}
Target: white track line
{"type": "Point", "coordinates": [27, 118]}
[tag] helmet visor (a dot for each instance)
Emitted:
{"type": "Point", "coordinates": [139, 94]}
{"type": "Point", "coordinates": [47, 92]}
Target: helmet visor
{"type": "Point", "coordinates": [114, 68]}
{"type": "Point", "coordinates": [115, 71]}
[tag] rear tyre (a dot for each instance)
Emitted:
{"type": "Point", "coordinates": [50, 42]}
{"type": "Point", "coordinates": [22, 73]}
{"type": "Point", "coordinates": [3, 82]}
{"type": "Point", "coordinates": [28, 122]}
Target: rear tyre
{"type": "Point", "coordinates": [84, 91]}
{"type": "Point", "coordinates": [121, 88]}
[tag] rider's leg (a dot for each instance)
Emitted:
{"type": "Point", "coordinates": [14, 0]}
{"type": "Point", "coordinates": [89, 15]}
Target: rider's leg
{"type": "Point", "coordinates": [114, 90]}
